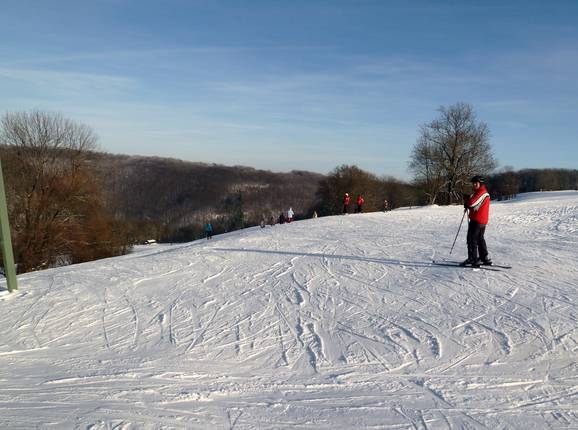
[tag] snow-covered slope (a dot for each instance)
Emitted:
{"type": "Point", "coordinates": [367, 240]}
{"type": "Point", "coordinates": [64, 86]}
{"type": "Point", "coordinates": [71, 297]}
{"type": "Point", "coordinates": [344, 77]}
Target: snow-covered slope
{"type": "Point", "coordinates": [334, 323]}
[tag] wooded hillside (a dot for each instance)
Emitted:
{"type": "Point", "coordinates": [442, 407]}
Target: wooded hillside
{"type": "Point", "coordinates": [172, 199]}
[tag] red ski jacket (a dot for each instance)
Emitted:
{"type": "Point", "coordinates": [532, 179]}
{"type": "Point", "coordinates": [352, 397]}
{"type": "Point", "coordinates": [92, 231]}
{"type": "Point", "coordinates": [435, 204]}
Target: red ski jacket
{"type": "Point", "coordinates": [346, 200]}
{"type": "Point", "coordinates": [360, 201]}
{"type": "Point", "coordinates": [479, 205]}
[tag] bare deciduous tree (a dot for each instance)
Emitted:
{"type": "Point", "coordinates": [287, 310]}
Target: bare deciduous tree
{"type": "Point", "coordinates": [51, 191]}
{"type": "Point", "coordinates": [449, 151]}
{"type": "Point", "coordinates": [428, 173]}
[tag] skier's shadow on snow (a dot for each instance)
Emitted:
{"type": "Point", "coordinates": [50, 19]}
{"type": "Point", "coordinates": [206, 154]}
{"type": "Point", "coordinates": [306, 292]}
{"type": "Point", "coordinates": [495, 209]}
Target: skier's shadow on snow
{"type": "Point", "coordinates": [332, 256]}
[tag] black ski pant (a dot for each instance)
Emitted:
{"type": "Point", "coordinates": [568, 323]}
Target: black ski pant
{"type": "Point", "coordinates": [476, 242]}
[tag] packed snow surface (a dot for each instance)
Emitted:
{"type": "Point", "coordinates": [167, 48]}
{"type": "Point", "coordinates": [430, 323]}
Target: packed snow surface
{"type": "Point", "coordinates": [334, 323]}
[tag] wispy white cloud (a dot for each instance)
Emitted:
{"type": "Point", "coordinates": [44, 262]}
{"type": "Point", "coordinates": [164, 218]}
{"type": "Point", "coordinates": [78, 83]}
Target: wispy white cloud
{"type": "Point", "coordinates": [13, 59]}
{"type": "Point", "coordinates": [390, 66]}
{"type": "Point", "coordinates": [68, 81]}
{"type": "Point", "coordinates": [517, 125]}
{"type": "Point", "coordinates": [506, 103]}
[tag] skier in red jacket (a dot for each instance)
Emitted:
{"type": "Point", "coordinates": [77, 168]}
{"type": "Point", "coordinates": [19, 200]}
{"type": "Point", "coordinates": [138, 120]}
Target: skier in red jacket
{"type": "Point", "coordinates": [345, 203]}
{"type": "Point", "coordinates": [360, 201]}
{"type": "Point", "coordinates": [478, 205]}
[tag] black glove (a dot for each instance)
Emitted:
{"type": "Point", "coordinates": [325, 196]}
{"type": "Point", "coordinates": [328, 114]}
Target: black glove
{"type": "Point", "coordinates": [465, 205]}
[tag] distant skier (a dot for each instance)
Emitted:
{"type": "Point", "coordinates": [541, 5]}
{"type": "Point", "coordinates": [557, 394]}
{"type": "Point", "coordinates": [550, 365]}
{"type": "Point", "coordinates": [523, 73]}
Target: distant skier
{"type": "Point", "coordinates": [281, 218]}
{"type": "Point", "coordinates": [314, 214]}
{"type": "Point", "coordinates": [478, 206]}
{"type": "Point", "coordinates": [209, 231]}
{"type": "Point", "coordinates": [290, 214]}
{"type": "Point", "coordinates": [359, 202]}
{"type": "Point", "coordinates": [385, 205]}
{"type": "Point", "coordinates": [345, 203]}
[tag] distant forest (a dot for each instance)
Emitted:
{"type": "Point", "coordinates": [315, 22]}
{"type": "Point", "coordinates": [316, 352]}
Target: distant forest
{"type": "Point", "coordinates": [171, 200]}
{"type": "Point", "coordinates": [507, 183]}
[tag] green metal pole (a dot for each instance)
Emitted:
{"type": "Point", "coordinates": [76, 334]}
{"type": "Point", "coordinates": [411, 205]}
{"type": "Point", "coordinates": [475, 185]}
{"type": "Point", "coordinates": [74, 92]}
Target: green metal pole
{"type": "Point", "coordinates": [5, 242]}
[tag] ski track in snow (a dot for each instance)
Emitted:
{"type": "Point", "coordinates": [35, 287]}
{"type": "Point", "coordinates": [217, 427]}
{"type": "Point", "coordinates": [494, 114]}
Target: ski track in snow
{"type": "Point", "coordinates": [334, 323]}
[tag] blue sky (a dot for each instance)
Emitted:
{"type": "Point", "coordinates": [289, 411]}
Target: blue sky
{"type": "Point", "coordinates": [285, 85]}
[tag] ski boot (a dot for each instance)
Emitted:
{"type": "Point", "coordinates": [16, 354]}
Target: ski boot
{"type": "Point", "coordinates": [470, 262]}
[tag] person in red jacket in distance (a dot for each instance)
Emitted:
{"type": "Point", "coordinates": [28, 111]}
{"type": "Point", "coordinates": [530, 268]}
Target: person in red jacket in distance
{"type": "Point", "coordinates": [345, 203]}
{"type": "Point", "coordinates": [359, 202]}
{"type": "Point", "coordinates": [478, 206]}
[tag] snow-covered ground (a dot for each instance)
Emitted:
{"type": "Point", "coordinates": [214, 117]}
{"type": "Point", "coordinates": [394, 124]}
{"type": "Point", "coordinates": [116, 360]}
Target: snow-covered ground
{"type": "Point", "coordinates": [334, 323]}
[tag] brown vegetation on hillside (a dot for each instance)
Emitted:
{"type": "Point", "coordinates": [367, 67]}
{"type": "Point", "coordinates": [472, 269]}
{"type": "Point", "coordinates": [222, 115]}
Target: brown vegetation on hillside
{"type": "Point", "coordinates": [54, 202]}
{"type": "Point", "coordinates": [171, 200]}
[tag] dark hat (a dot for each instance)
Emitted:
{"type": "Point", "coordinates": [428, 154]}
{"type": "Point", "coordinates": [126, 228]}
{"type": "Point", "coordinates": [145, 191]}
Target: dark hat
{"type": "Point", "coordinates": [479, 179]}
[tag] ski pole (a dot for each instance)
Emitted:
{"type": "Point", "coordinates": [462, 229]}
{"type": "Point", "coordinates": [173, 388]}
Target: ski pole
{"type": "Point", "coordinates": [460, 227]}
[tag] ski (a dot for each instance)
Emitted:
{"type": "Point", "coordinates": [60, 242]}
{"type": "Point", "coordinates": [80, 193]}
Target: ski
{"type": "Point", "coordinates": [454, 264]}
{"type": "Point", "coordinates": [499, 266]}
